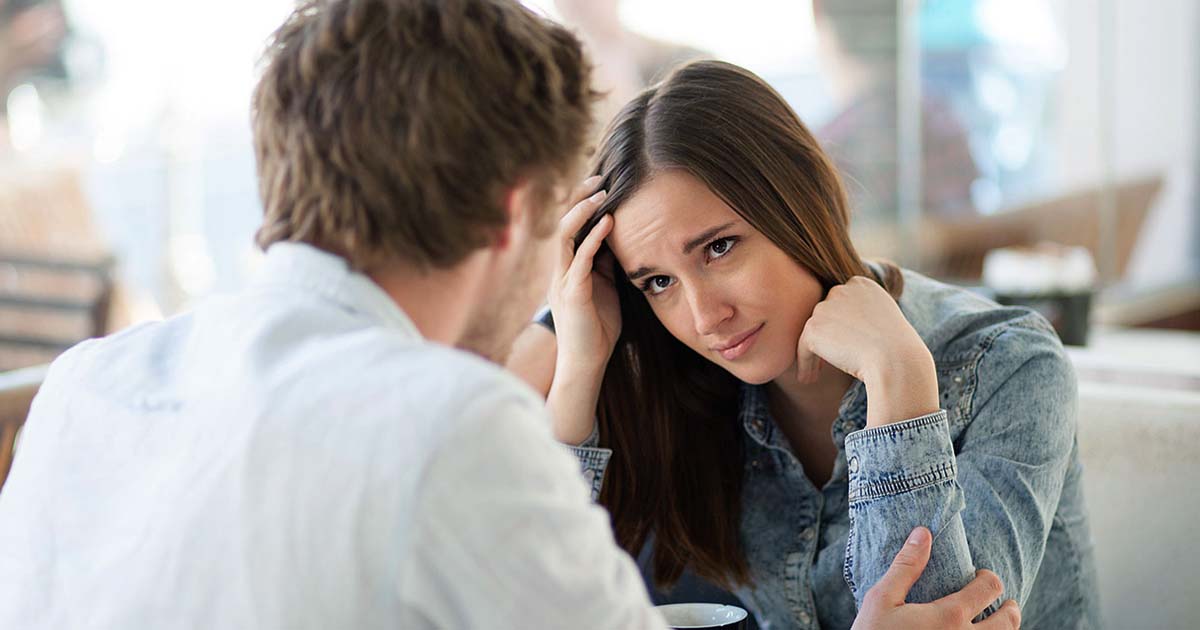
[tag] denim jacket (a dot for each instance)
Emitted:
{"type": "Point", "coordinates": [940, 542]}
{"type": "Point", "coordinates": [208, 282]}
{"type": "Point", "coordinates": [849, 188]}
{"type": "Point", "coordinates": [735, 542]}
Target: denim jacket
{"type": "Point", "coordinates": [995, 475]}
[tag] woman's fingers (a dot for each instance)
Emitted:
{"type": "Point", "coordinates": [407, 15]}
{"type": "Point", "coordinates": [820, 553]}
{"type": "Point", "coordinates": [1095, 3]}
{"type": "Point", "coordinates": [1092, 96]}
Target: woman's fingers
{"type": "Point", "coordinates": [808, 363]}
{"type": "Point", "coordinates": [584, 189]}
{"type": "Point", "coordinates": [581, 267]}
{"type": "Point", "coordinates": [604, 263]}
{"type": "Point", "coordinates": [1007, 618]}
{"type": "Point", "coordinates": [583, 193]}
{"type": "Point", "coordinates": [570, 225]}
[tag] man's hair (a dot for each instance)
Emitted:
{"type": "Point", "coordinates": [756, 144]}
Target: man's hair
{"type": "Point", "coordinates": [392, 129]}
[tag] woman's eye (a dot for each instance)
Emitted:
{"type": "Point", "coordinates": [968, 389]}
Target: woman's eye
{"type": "Point", "coordinates": [657, 284]}
{"type": "Point", "coordinates": [720, 247]}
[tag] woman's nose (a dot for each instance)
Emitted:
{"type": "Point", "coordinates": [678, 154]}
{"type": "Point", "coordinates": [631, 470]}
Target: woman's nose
{"type": "Point", "coordinates": [709, 310]}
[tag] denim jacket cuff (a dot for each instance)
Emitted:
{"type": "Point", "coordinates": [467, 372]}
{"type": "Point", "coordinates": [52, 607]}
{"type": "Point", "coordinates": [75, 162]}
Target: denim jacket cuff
{"type": "Point", "coordinates": [593, 438]}
{"type": "Point", "coordinates": [592, 461]}
{"type": "Point", "coordinates": [902, 457]}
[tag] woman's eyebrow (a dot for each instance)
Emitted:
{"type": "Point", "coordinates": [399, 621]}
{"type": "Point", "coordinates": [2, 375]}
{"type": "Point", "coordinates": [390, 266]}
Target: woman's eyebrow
{"type": "Point", "coordinates": [699, 240]}
{"type": "Point", "coordinates": [641, 271]}
{"type": "Point", "coordinates": [705, 237]}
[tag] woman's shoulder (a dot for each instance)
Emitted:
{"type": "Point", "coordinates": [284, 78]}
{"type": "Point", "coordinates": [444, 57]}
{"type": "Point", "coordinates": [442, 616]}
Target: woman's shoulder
{"type": "Point", "coordinates": [961, 325]}
{"type": "Point", "coordinates": [994, 357]}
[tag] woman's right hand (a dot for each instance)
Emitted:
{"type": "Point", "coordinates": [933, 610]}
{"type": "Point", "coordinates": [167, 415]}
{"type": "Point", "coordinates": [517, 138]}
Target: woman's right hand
{"type": "Point", "coordinates": [587, 317]}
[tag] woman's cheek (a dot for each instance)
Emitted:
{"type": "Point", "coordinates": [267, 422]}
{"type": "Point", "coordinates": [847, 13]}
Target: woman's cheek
{"type": "Point", "coordinates": [671, 319]}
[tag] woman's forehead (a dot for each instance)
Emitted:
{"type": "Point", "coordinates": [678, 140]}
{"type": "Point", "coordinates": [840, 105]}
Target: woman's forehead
{"type": "Point", "coordinates": [663, 215]}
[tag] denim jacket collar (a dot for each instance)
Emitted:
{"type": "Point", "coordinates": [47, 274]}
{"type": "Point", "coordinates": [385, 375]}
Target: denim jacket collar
{"type": "Point", "coordinates": [755, 416]}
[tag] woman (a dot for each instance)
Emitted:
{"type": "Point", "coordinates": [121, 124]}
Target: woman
{"type": "Point", "coordinates": [778, 414]}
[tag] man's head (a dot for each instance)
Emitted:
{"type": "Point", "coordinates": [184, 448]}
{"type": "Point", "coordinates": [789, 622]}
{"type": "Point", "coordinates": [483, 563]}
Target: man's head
{"type": "Point", "coordinates": [407, 132]}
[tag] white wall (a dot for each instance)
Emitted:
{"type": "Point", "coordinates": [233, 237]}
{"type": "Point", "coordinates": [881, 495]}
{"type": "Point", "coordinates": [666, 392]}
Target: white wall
{"type": "Point", "coordinates": [1155, 115]}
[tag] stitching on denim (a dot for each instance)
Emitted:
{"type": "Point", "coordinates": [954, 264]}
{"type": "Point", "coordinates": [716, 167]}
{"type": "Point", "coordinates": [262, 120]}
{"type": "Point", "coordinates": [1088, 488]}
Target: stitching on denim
{"type": "Point", "coordinates": [899, 427]}
{"type": "Point", "coordinates": [848, 563]}
{"type": "Point", "coordinates": [792, 576]}
{"type": "Point", "coordinates": [754, 407]}
{"type": "Point", "coordinates": [879, 489]}
{"type": "Point", "coordinates": [986, 345]}
{"type": "Point", "coordinates": [1076, 546]}
{"type": "Point", "coordinates": [595, 460]}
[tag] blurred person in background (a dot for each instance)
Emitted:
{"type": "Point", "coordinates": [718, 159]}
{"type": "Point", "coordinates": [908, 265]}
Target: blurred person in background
{"type": "Point", "coordinates": [995, 65]}
{"type": "Point", "coordinates": [625, 61]}
{"type": "Point", "coordinates": [860, 63]}
{"type": "Point", "coordinates": [31, 36]}
{"type": "Point", "coordinates": [32, 33]}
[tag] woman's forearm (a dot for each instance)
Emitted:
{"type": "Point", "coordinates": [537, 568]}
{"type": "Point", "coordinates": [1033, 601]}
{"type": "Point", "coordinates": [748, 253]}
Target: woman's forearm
{"type": "Point", "coordinates": [903, 475]}
{"type": "Point", "coordinates": [571, 390]}
{"type": "Point", "coordinates": [901, 387]}
{"type": "Point", "coordinates": [572, 402]}
{"type": "Point", "coordinates": [533, 357]}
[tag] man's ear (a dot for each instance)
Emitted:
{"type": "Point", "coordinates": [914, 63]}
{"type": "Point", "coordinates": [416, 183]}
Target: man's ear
{"type": "Point", "coordinates": [518, 205]}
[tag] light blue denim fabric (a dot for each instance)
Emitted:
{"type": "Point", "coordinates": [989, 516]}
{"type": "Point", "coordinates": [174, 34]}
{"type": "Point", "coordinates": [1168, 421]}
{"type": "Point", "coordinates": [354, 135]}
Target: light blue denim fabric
{"type": "Point", "coordinates": [995, 475]}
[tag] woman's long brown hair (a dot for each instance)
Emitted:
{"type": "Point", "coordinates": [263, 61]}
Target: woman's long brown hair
{"type": "Point", "coordinates": [669, 414]}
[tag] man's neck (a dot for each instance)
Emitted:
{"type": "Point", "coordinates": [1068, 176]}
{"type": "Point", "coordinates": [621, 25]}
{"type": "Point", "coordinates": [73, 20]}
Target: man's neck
{"type": "Point", "coordinates": [439, 302]}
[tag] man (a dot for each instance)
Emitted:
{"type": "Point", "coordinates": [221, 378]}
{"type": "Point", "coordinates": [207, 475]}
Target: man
{"type": "Point", "coordinates": [312, 452]}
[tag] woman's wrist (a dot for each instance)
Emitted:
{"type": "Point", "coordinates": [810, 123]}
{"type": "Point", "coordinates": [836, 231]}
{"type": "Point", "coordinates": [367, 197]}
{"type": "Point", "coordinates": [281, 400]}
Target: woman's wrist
{"type": "Point", "coordinates": [573, 423]}
{"type": "Point", "coordinates": [580, 369]}
{"type": "Point", "coordinates": [901, 388]}
{"type": "Point", "coordinates": [572, 402]}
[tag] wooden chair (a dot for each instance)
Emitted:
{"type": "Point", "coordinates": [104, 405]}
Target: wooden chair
{"type": "Point", "coordinates": [50, 303]}
{"type": "Point", "coordinates": [56, 271]}
{"type": "Point", "coordinates": [17, 390]}
{"type": "Point", "coordinates": [955, 250]}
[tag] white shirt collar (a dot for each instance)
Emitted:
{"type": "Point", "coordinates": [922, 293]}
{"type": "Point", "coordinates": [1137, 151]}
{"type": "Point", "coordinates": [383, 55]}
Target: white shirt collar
{"type": "Point", "coordinates": [303, 267]}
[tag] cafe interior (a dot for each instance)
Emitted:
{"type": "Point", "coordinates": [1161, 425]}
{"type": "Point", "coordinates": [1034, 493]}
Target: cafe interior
{"type": "Point", "coordinates": [1043, 153]}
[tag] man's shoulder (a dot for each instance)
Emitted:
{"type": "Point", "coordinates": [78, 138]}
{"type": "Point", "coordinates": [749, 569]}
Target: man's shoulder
{"type": "Point", "coordinates": [443, 373]}
{"type": "Point", "coordinates": [294, 368]}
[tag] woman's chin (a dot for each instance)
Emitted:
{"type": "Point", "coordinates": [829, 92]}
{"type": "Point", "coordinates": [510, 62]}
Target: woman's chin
{"type": "Point", "coordinates": [757, 373]}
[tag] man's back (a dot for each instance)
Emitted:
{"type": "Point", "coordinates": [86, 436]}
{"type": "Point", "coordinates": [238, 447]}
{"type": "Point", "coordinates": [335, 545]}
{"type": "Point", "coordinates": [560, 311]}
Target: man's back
{"type": "Point", "coordinates": [261, 462]}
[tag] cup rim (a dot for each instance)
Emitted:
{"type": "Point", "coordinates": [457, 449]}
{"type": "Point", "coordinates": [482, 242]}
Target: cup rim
{"type": "Point", "coordinates": [739, 613]}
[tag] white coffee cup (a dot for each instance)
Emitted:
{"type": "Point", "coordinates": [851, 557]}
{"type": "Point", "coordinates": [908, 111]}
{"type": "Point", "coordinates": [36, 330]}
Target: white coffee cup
{"type": "Point", "coordinates": [703, 616]}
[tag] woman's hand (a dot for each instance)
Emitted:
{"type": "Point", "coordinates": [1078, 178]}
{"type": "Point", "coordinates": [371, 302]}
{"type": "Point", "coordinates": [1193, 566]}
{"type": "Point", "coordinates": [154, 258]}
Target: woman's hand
{"type": "Point", "coordinates": [587, 317]}
{"type": "Point", "coordinates": [858, 328]}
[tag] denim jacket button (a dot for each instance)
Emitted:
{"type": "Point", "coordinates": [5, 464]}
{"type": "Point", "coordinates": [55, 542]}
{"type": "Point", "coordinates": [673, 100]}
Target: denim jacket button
{"type": "Point", "coordinates": [804, 617]}
{"type": "Point", "coordinates": [853, 464]}
{"type": "Point", "coordinates": [807, 534]}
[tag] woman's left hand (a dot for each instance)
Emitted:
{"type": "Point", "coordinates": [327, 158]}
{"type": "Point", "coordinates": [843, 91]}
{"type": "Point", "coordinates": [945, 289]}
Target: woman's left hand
{"type": "Point", "coordinates": [859, 329]}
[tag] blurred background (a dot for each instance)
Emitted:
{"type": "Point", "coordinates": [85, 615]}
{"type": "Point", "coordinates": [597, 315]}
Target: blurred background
{"type": "Point", "coordinates": [1043, 152]}
{"type": "Point", "coordinates": [127, 185]}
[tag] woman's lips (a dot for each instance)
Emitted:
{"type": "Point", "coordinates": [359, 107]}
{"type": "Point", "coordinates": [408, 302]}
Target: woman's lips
{"type": "Point", "coordinates": [742, 346]}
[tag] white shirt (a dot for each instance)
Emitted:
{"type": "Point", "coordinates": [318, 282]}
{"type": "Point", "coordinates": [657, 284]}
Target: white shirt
{"type": "Point", "coordinates": [297, 456]}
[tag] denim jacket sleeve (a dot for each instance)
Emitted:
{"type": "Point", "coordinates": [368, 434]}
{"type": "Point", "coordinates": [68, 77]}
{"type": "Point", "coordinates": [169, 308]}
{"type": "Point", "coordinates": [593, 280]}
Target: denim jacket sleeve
{"type": "Point", "coordinates": [989, 496]}
{"type": "Point", "coordinates": [593, 460]}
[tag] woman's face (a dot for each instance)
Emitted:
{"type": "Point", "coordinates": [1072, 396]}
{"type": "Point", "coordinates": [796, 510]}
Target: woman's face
{"type": "Point", "coordinates": [716, 283]}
